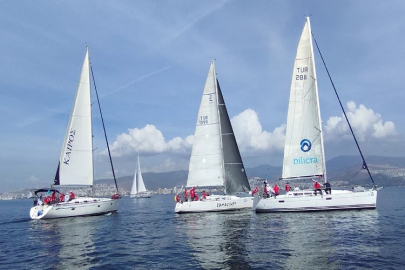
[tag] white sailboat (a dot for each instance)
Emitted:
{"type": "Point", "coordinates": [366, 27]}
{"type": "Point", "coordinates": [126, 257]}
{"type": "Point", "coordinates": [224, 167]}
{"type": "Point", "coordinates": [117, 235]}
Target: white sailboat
{"type": "Point", "coordinates": [215, 159]}
{"type": "Point", "coordinates": [75, 166]}
{"type": "Point", "coordinates": [304, 156]}
{"type": "Point", "coordinates": [138, 189]}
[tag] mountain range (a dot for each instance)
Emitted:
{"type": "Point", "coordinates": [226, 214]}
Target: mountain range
{"type": "Point", "coordinates": [341, 170]}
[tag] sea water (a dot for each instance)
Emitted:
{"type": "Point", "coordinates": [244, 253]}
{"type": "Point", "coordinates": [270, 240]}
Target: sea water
{"type": "Point", "coordinates": [147, 234]}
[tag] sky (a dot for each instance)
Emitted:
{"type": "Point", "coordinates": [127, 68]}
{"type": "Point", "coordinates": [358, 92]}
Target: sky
{"type": "Point", "coordinates": [151, 59]}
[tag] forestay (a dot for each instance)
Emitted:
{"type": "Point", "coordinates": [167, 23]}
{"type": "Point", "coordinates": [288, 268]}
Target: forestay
{"type": "Point", "coordinates": [303, 152]}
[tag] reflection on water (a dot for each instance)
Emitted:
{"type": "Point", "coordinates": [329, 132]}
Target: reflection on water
{"type": "Point", "coordinates": [69, 241]}
{"type": "Point", "coordinates": [216, 239]}
{"type": "Point", "coordinates": [147, 234]}
{"type": "Point", "coordinates": [321, 240]}
{"type": "Point", "coordinates": [242, 240]}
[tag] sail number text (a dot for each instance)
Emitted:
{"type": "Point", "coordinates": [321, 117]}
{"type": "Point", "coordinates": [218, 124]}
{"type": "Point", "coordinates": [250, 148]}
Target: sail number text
{"type": "Point", "coordinates": [203, 120]}
{"type": "Point", "coordinates": [300, 77]}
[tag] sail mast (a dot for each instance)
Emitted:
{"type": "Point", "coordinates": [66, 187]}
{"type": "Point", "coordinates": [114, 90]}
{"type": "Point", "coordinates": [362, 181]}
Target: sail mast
{"type": "Point", "coordinates": [317, 100]}
{"type": "Point", "coordinates": [102, 121]}
{"type": "Point", "coordinates": [138, 169]}
{"type": "Point", "coordinates": [220, 130]}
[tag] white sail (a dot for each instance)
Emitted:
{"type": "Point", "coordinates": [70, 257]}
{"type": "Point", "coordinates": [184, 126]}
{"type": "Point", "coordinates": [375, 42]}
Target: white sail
{"type": "Point", "coordinates": [134, 188]}
{"type": "Point", "coordinates": [303, 152]}
{"type": "Point", "coordinates": [76, 159]}
{"type": "Point", "coordinates": [206, 162]}
{"type": "Point", "coordinates": [138, 185]}
{"type": "Point", "coordinates": [141, 184]}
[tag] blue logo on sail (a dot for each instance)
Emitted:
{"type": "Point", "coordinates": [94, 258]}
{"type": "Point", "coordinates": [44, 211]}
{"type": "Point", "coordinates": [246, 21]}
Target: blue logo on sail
{"type": "Point", "coordinates": [305, 145]}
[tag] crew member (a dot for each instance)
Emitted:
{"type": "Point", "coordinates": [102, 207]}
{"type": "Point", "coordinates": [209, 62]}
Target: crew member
{"type": "Point", "coordinates": [317, 187]}
{"type": "Point", "coordinates": [185, 194]}
{"type": "Point", "coordinates": [265, 191]}
{"type": "Point", "coordinates": [328, 189]}
{"type": "Point", "coordinates": [276, 190]}
{"type": "Point", "coordinates": [287, 187]}
{"type": "Point", "coordinates": [192, 193]}
{"type": "Point", "coordinates": [71, 195]}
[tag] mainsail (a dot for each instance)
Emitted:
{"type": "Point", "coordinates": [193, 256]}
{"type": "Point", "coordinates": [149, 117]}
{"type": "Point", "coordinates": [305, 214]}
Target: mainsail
{"type": "Point", "coordinates": [76, 160]}
{"type": "Point", "coordinates": [138, 184]}
{"type": "Point", "coordinates": [303, 151]}
{"type": "Point", "coordinates": [215, 158]}
{"type": "Point", "coordinates": [235, 175]}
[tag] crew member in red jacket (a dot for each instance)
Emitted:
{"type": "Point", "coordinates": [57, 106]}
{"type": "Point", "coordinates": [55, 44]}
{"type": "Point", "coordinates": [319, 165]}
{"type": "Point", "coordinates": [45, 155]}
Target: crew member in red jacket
{"type": "Point", "coordinates": [185, 194]}
{"type": "Point", "coordinates": [317, 187]}
{"type": "Point", "coordinates": [287, 187]}
{"type": "Point", "coordinates": [71, 196]}
{"type": "Point", "coordinates": [192, 193]}
{"type": "Point", "coordinates": [276, 190]}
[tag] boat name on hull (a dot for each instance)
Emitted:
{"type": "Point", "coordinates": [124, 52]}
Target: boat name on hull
{"type": "Point", "coordinates": [226, 204]}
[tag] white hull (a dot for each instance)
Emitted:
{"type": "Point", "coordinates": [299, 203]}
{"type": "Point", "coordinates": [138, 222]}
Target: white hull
{"type": "Point", "coordinates": [302, 201]}
{"type": "Point", "coordinates": [216, 203]}
{"type": "Point", "coordinates": [83, 206]}
{"type": "Point", "coordinates": [141, 195]}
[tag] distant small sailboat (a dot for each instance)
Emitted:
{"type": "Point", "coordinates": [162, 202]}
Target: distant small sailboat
{"type": "Point", "coordinates": [138, 189]}
{"type": "Point", "coordinates": [75, 166]}
{"type": "Point", "coordinates": [304, 156]}
{"type": "Point", "coordinates": [215, 160]}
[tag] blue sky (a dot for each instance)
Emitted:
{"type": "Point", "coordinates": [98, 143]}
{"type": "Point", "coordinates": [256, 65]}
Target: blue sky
{"type": "Point", "coordinates": [151, 59]}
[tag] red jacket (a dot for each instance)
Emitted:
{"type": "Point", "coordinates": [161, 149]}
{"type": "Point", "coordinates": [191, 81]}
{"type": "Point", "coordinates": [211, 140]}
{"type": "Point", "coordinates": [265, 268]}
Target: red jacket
{"type": "Point", "coordinates": [276, 190]}
{"type": "Point", "coordinates": [255, 190]}
{"type": "Point", "coordinates": [287, 187]}
{"type": "Point", "coordinates": [317, 185]}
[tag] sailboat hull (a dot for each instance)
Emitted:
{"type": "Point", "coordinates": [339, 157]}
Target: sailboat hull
{"type": "Point", "coordinates": [215, 203]}
{"type": "Point", "coordinates": [304, 201]}
{"type": "Point", "coordinates": [140, 195]}
{"type": "Point", "coordinates": [83, 206]}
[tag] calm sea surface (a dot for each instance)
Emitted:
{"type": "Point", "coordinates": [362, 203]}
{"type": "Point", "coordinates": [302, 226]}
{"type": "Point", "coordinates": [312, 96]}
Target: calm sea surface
{"type": "Point", "coordinates": [147, 234]}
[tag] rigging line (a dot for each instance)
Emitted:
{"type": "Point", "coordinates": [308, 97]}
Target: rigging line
{"type": "Point", "coordinates": [344, 112]}
{"type": "Point", "coordinates": [102, 121]}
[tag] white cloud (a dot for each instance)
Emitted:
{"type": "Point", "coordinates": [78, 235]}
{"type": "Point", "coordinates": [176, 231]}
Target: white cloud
{"type": "Point", "coordinates": [251, 136]}
{"type": "Point", "coordinates": [147, 140]}
{"type": "Point", "coordinates": [365, 122]}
